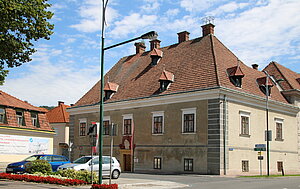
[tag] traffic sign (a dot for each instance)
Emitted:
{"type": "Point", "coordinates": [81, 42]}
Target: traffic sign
{"type": "Point", "coordinates": [259, 149]}
{"type": "Point", "coordinates": [260, 145]}
{"type": "Point", "coordinates": [260, 157]}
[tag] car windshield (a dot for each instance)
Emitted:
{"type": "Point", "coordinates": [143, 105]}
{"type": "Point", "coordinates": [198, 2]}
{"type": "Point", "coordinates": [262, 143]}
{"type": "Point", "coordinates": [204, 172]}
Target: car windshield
{"type": "Point", "coordinates": [32, 158]}
{"type": "Point", "coordinates": [82, 160]}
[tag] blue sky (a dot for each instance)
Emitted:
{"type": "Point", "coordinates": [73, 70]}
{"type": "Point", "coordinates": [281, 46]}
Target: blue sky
{"type": "Point", "coordinates": [67, 66]}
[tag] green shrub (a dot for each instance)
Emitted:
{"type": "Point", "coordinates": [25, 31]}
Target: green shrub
{"type": "Point", "coordinates": [80, 175]}
{"type": "Point", "coordinates": [41, 166]}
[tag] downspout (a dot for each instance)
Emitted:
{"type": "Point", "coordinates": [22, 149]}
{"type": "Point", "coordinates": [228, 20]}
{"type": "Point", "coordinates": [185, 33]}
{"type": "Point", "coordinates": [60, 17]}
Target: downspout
{"type": "Point", "coordinates": [224, 131]}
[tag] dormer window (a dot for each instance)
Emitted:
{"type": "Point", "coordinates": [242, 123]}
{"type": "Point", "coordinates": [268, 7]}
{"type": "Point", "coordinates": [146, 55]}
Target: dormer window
{"type": "Point", "coordinates": [235, 75]}
{"type": "Point", "coordinates": [110, 89]}
{"type": "Point", "coordinates": [298, 79]}
{"type": "Point", "coordinates": [155, 55]}
{"type": "Point", "coordinates": [165, 80]}
{"type": "Point", "coordinates": [264, 85]}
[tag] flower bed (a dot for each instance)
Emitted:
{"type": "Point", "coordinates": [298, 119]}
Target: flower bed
{"type": "Point", "coordinates": [39, 179]}
{"type": "Point", "coordinates": [104, 186]}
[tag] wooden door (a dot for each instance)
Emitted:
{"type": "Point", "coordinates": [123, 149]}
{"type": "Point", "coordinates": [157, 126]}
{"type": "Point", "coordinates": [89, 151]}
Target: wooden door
{"type": "Point", "coordinates": [127, 162]}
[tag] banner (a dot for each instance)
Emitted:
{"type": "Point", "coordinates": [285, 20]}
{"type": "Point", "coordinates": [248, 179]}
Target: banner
{"type": "Point", "coordinates": [15, 144]}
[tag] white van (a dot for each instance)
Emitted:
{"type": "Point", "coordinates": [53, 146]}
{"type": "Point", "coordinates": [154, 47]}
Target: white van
{"type": "Point", "coordinates": [87, 163]}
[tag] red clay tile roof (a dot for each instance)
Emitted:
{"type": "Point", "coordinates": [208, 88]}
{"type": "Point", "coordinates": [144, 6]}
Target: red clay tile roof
{"type": "Point", "coordinates": [58, 114]}
{"type": "Point", "coordinates": [11, 101]}
{"type": "Point", "coordinates": [168, 76]}
{"type": "Point", "coordinates": [263, 80]}
{"type": "Point", "coordinates": [280, 72]}
{"type": "Point", "coordinates": [200, 63]}
{"type": "Point", "coordinates": [109, 86]}
{"type": "Point", "coordinates": [235, 71]}
{"type": "Point", "coordinates": [156, 52]}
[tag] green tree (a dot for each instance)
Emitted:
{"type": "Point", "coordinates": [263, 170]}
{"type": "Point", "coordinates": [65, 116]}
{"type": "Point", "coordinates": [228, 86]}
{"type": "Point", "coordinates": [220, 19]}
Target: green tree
{"type": "Point", "coordinates": [21, 23]}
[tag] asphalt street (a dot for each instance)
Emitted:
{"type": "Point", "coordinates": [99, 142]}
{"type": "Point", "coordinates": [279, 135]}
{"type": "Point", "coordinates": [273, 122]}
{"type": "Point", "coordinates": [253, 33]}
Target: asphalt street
{"type": "Point", "coordinates": [144, 181]}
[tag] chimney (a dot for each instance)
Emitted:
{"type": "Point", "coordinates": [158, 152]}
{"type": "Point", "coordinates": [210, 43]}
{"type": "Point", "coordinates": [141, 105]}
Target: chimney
{"type": "Point", "coordinates": [139, 47]}
{"type": "Point", "coordinates": [183, 36]}
{"type": "Point", "coordinates": [60, 103]}
{"type": "Point", "coordinates": [255, 66]}
{"type": "Point", "coordinates": [155, 43]}
{"type": "Point", "coordinates": [208, 29]}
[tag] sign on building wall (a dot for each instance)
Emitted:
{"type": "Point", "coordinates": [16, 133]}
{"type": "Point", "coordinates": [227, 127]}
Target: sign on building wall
{"type": "Point", "coordinates": [14, 144]}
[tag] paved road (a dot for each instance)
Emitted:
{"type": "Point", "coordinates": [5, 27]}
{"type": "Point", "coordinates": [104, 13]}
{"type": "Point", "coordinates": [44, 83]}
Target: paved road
{"type": "Point", "coordinates": [144, 181]}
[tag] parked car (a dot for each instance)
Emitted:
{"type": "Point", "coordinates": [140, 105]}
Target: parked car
{"type": "Point", "coordinates": [54, 160]}
{"type": "Point", "coordinates": [87, 163]}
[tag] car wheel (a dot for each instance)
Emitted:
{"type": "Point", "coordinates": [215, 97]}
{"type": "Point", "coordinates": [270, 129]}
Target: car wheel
{"type": "Point", "coordinates": [115, 174]}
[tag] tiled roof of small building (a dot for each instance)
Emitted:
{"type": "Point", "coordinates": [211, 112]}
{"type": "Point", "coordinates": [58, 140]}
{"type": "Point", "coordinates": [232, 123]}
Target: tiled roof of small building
{"type": "Point", "coordinates": [289, 77]}
{"type": "Point", "coordinates": [58, 114]}
{"type": "Point", "coordinates": [199, 63]}
{"type": "Point", "coordinates": [11, 101]}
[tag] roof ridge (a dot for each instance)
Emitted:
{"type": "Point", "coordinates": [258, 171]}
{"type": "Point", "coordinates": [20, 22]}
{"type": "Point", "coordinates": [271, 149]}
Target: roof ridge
{"type": "Point", "coordinates": [282, 75]}
{"type": "Point", "coordinates": [63, 112]}
{"type": "Point", "coordinates": [32, 106]}
{"type": "Point", "coordinates": [214, 59]}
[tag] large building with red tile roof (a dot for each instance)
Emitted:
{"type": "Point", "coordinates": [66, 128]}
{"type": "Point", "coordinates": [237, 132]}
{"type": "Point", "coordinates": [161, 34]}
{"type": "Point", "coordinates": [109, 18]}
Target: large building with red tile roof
{"type": "Point", "coordinates": [191, 107]}
{"type": "Point", "coordinates": [59, 120]}
{"type": "Point", "coordinates": [289, 85]}
{"type": "Point", "coordinates": [24, 130]}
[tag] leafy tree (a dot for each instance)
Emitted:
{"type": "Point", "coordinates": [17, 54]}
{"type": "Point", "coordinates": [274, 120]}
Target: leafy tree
{"type": "Point", "coordinates": [21, 23]}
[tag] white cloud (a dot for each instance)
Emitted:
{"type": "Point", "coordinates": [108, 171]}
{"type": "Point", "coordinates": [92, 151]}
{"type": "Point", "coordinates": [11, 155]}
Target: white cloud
{"type": "Point", "coordinates": [197, 5]}
{"type": "Point", "coordinates": [46, 83]}
{"type": "Point", "coordinates": [131, 24]}
{"type": "Point", "coordinates": [172, 12]}
{"type": "Point", "coordinates": [150, 6]}
{"type": "Point", "coordinates": [227, 8]}
{"type": "Point", "coordinates": [261, 33]}
{"type": "Point", "coordinates": [91, 16]}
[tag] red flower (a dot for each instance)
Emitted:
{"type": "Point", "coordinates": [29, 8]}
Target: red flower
{"type": "Point", "coordinates": [39, 179]}
{"type": "Point", "coordinates": [104, 186]}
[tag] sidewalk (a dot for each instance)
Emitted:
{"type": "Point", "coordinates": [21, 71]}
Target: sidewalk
{"type": "Point", "coordinates": [128, 183]}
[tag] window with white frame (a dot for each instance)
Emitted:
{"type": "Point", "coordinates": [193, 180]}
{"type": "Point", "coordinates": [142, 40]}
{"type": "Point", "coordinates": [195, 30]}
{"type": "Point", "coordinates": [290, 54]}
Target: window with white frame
{"type": "Point", "coordinates": [245, 123]}
{"type": "Point", "coordinates": [127, 124]}
{"type": "Point", "coordinates": [157, 163]}
{"type": "Point", "coordinates": [2, 115]}
{"type": "Point", "coordinates": [82, 127]}
{"type": "Point", "coordinates": [279, 128]}
{"type": "Point", "coordinates": [245, 165]}
{"type": "Point", "coordinates": [34, 119]}
{"type": "Point", "coordinates": [188, 164]}
{"type": "Point", "coordinates": [157, 122]}
{"type": "Point", "coordinates": [106, 125]}
{"type": "Point", "coordinates": [189, 120]}
{"type": "Point", "coordinates": [20, 118]}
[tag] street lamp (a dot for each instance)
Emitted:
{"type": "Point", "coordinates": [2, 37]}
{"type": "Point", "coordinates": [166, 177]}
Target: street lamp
{"type": "Point", "coordinates": [267, 120]}
{"type": "Point", "coordinates": [149, 35]}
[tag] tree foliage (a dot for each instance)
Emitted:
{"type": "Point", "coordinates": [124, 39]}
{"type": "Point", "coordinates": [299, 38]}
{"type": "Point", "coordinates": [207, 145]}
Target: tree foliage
{"type": "Point", "coordinates": [21, 23]}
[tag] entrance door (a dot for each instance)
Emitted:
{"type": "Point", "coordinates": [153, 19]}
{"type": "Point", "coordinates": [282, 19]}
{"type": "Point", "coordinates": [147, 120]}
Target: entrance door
{"type": "Point", "coordinates": [127, 162]}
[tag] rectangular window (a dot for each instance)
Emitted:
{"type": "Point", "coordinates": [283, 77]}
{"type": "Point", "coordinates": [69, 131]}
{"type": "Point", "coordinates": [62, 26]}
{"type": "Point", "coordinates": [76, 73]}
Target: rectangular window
{"type": "Point", "coordinates": [279, 134]}
{"type": "Point", "coordinates": [106, 127]}
{"type": "Point", "coordinates": [157, 163]}
{"type": "Point", "coordinates": [245, 166]}
{"type": "Point", "coordinates": [245, 124]}
{"type": "Point", "coordinates": [20, 118]}
{"type": "Point", "coordinates": [279, 166]}
{"type": "Point", "coordinates": [188, 164]}
{"type": "Point", "coordinates": [189, 120]}
{"type": "Point", "coordinates": [188, 126]}
{"type": "Point", "coordinates": [127, 126]}
{"type": "Point", "coordinates": [2, 115]}
{"type": "Point", "coordinates": [34, 119]}
{"type": "Point", "coordinates": [82, 127]}
{"type": "Point", "coordinates": [157, 122]}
